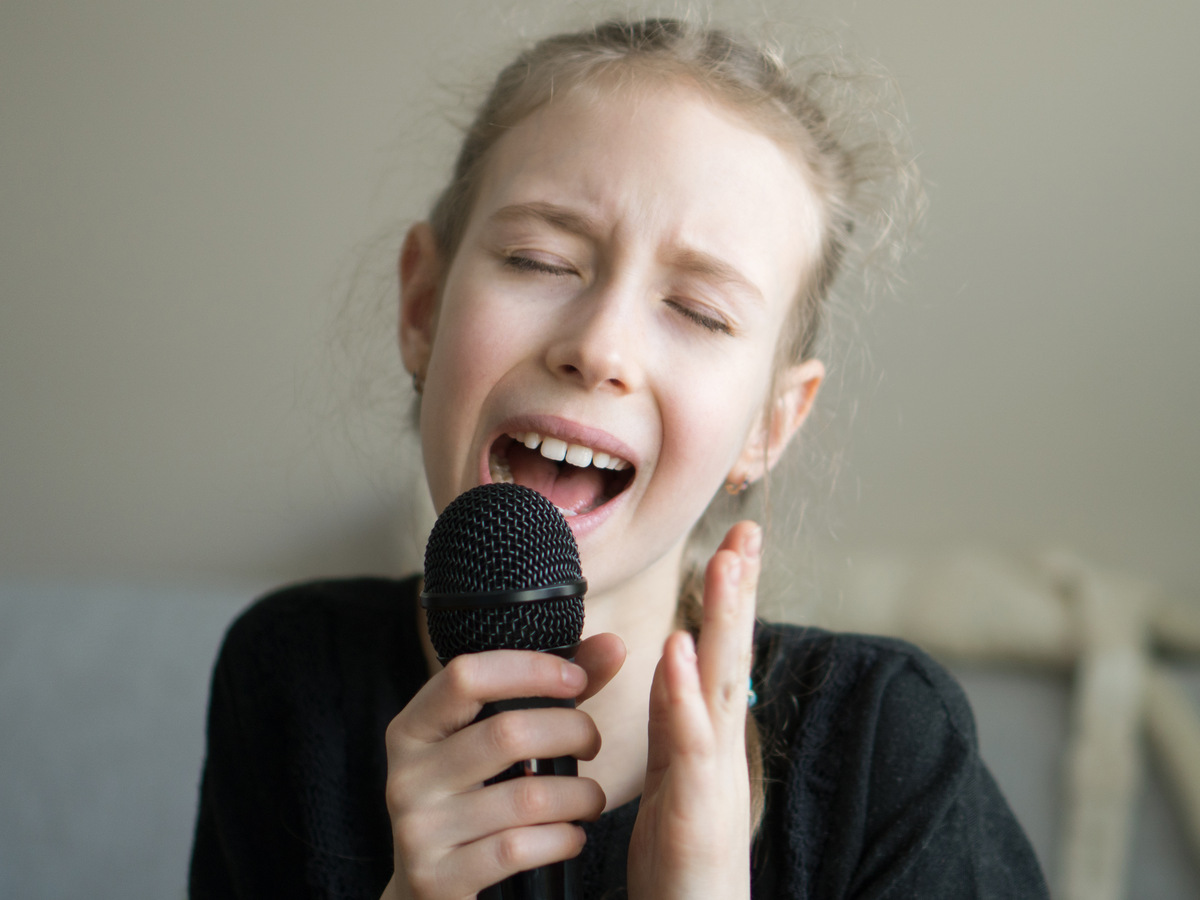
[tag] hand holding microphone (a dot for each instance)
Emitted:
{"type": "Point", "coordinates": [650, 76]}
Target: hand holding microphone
{"type": "Point", "coordinates": [499, 578]}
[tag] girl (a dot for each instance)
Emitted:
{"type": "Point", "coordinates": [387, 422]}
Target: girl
{"type": "Point", "coordinates": [614, 302]}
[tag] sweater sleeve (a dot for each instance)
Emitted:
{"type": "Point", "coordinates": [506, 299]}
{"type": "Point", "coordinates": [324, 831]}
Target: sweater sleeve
{"type": "Point", "coordinates": [291, 797]}
{"type": "Point", "coordinates": [239, 850]}
{"type": "Point", "coordinates": [922, 815]}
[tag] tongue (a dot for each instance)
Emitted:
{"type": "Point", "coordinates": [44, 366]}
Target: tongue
{"type": "Point", "coordinates": [568, 487]}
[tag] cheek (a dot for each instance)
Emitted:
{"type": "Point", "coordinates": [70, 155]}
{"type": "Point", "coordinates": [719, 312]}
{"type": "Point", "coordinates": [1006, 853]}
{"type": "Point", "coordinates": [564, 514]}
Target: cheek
{"type": "Point", "coordinates": [480, 325]}
{"type": "Point", "coordinates": [704, 432]}
{"type": "Point", "coordinates": [465, 355]}
{"type": "Point", "coordinates": [466, 363]}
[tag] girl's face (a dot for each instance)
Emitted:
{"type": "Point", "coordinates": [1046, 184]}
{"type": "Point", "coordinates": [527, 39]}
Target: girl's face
{"type": "Point", "coordinates": [616, 297]}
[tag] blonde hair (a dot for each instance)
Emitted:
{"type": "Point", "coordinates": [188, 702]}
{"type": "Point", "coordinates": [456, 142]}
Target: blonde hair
{"type": "Point", "coordinates": [754, 81]}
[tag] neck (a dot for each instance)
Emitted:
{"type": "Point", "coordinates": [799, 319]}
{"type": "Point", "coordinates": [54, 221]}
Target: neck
{"type": "Point", "coordinates": [642, 612]}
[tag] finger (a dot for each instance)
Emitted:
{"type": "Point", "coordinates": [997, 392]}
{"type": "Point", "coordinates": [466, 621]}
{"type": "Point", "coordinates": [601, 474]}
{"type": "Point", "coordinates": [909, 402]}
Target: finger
{"type": "Point", "coordinates": [488, 747]}
{"type": "Point", "coordinates": [681, 737]}
{"type": "Point", "coordinates": [727, 630]}
{"type": "Point", "coordinates": [470, 868]}
{"type": "Point", "coordinates": [601, 656]}
{"type": "Point", "coordinates": [519, 802]}
{"type": "Point", "coordinates": [687, 713]}
{"type": "Point", "coordinates": [658, 754]}
{"type": "Point", "coordinates": [453, 697]}
{"type": "Point", "coordinates": [492, 859]}
{"type": "Point", "coordinates": [679, 717]}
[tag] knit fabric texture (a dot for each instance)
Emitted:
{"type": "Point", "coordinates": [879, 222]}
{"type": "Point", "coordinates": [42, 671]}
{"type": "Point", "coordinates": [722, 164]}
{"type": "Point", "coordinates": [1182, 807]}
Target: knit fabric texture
{"type": "Point", "coordinates": [875, 787]}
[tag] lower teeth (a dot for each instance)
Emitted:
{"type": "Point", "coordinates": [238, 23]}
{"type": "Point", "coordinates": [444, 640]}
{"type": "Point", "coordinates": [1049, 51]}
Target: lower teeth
{"type": "Point", "coordinates": [502, 474]}
{"type": "Point", "coordinates": [500, 471]}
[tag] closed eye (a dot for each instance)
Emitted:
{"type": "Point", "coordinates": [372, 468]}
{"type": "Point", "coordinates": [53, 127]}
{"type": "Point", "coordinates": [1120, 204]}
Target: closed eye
{"type": "Point", "coordinates": [710, 323]}
{"type": "Point", "coordinates": [529, 264]}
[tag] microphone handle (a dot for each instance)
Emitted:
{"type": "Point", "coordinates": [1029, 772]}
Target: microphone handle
{"type": "Point", "coordinates": [557, 881]}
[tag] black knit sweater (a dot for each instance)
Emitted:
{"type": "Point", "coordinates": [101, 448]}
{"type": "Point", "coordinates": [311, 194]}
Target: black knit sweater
{"type": "Point", "coordinates": [875, 788]}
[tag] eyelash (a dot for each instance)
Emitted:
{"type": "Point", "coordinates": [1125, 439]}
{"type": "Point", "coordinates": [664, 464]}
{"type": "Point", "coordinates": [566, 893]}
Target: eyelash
{"type": "Point", "coordinates": [528, 264]}
{"type": "Point", "coordinates": [709, 323]}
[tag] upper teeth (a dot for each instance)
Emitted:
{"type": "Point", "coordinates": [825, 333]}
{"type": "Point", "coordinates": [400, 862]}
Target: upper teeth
{"type": "Point", "coordinates": [576, 454]}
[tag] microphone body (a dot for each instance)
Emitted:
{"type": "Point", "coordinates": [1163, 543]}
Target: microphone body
{"type": "Point", "coordinates": [502, 572]}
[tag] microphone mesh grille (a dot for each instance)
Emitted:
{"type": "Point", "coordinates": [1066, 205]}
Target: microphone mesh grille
{"type": "Point", "coordinates": [538, 625]}
{"type": "Point", "coordinates": [499, 537]}
{"type": "Point", "coordinates": [502, 537]}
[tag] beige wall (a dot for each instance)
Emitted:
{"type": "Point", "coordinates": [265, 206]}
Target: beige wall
{"type": "Point", "coordinates": [186, 189]}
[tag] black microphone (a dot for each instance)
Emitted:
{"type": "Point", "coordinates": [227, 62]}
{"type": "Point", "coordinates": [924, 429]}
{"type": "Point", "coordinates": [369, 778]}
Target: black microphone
{"type": "Point", "coordinates": [502, 572]}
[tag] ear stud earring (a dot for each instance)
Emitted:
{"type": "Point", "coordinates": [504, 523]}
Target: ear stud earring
{"type": "Point", "coordinates": [418, 381]}
{"type": "Point", "coordinates": [735, 488]}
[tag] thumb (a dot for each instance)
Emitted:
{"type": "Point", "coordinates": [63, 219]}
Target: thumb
{"type": "Point", "coordinates": [601, 656]}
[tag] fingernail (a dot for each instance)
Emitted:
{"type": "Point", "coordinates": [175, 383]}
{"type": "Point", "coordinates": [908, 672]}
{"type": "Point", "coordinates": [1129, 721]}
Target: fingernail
{"type": "Point", "coordinates": [752, 546]}
{"type": "Point", "coordinates": [573, 676]}
{"type": "Point", "coordinates": [734, 569]}
{"type": "Point", "coordinates": [689, 647]}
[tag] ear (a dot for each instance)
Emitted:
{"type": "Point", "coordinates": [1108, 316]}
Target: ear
{"type": "Point", "coordinates": [778, 422]}
{"type": "Point", "coordinates": [420, 281]}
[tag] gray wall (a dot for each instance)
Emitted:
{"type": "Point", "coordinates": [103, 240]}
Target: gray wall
{"type": "Point", "coordinates": [188, 188]}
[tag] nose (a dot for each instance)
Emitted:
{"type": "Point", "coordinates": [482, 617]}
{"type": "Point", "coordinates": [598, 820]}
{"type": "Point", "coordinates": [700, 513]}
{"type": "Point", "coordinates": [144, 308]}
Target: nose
{"type": "Point", "coordinates": [598, 343]}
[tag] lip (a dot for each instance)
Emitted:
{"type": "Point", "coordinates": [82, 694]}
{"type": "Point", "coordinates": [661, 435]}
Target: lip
{"type": "Point", "coordinates": [572, 433]}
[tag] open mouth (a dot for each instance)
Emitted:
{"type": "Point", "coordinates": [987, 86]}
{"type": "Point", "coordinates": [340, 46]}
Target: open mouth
{"type": "Point", "coordinates": [575, 478]}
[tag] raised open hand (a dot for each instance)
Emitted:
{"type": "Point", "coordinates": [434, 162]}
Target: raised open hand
{"type": "Point", "coordinates": [692, 836]}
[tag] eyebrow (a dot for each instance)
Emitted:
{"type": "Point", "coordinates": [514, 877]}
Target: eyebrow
{"type": "Point", "coordinates": [695, 262]}
{"type": "Point", "coordinates": [713, 269]}
{"type": "Point", "coordinates": [559, 217]}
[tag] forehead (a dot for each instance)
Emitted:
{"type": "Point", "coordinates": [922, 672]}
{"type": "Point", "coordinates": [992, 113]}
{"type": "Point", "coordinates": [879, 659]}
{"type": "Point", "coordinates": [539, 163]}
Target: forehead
{"type": "Point", "coordinates": [669, 167]}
